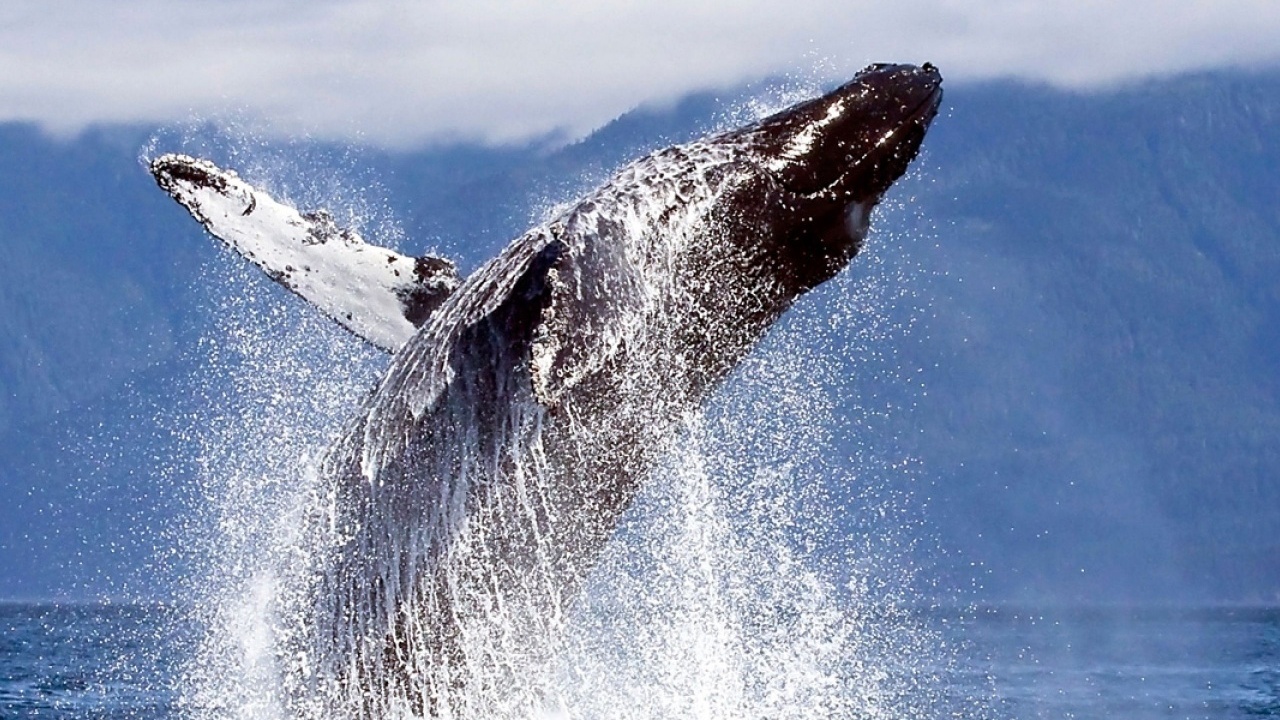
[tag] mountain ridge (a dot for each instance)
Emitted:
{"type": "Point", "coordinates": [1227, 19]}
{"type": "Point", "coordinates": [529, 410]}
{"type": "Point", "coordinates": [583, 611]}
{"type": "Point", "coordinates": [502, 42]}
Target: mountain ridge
{"type": "Point", "coordinates": [1100, 347]}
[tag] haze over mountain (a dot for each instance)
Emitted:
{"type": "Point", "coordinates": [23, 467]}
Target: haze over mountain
{"type": "Point", "coordinates": [1092, 284]}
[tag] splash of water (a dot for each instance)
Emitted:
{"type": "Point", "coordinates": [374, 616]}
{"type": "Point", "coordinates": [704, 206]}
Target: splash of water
{"type": "Point", "coordinates": [274, 385]}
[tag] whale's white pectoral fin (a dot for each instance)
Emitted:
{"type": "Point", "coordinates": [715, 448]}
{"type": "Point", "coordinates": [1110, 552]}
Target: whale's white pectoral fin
{"type": "Point", "coordinates": [376, 293]}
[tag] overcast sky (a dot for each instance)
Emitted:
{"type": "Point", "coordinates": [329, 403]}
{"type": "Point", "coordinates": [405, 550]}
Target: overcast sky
{"type": "Point", "coordinates": [406, 73]}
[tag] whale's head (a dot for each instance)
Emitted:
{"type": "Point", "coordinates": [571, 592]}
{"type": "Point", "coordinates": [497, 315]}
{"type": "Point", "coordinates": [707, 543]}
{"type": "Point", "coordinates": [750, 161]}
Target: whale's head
{"type": "Point", "coordinates": [723, 235]}
{"type": "Point", "coordinates": [853, 142]}
{"type": "Point", "coordinates": [827, 162]}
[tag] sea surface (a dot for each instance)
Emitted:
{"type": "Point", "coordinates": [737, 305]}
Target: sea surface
{"type": "Point", "coordinates": [124, 661]}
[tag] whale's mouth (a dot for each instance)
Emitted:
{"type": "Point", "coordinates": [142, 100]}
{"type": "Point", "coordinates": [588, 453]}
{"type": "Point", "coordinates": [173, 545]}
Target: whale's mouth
{"type": "Point", "coordinates": [850, 145]}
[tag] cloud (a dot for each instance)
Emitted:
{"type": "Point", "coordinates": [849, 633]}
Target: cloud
{"type": "Point", "coordinates": [403, 73]}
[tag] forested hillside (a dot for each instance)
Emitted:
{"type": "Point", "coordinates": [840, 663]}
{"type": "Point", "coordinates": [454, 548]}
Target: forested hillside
{"type": "Point", "coordinates": [1097, 325]}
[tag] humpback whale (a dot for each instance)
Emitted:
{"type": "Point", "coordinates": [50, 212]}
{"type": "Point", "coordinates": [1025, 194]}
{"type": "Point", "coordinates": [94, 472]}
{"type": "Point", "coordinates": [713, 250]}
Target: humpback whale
{"type": "Point", "coordinates": [459, 514]}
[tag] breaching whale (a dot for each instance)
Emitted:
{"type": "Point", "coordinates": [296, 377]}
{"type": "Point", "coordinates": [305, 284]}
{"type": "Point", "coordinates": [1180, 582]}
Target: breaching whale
{"type": "Point", "coordinates": [461, 511]}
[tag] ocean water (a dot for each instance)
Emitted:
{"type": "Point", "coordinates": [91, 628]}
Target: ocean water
{"type": "Point", "coordinates": [122, 661]}
{"type": "Point", "coordinates": [91, 660]}
{"type": "Point", "coordinates": [1130, 663]}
